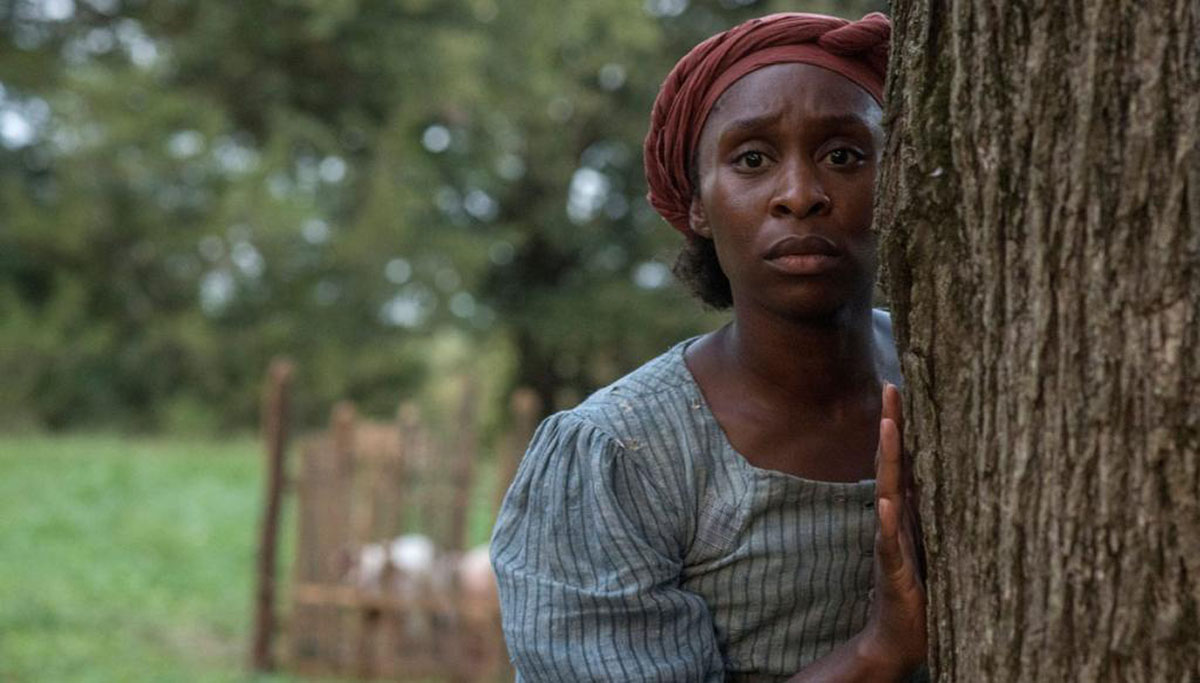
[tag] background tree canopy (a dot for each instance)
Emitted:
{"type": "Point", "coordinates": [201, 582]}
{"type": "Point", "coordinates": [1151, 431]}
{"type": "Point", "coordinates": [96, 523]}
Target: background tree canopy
{"type": "Point", "coordinates": [387, 192]}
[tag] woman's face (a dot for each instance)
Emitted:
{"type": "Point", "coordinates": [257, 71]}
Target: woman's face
{"type": "Point", "coordinates": [786, 169]}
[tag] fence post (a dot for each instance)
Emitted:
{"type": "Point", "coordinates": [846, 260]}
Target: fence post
{"type": "Point", "coordinates": [276, 406]}
{"type": "Point", "coordinates": [408, 467]}
{"type": "Point", "coordinates": [462, 468]}
{"type": "Point", "coordinates": [525, 408]}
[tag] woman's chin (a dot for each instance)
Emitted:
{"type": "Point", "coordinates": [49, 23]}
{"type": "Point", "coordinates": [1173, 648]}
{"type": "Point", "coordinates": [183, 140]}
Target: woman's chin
{"type": "Point", "coordinates": [817, 305]}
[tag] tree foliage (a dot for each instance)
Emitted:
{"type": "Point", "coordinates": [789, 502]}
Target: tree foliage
{"type": "Point", "coordinates": [383, 191]}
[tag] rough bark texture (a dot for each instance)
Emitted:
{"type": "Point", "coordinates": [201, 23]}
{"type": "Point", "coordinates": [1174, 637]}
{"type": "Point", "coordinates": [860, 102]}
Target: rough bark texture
{"type": "Point", "coordinates": [1040, 213]}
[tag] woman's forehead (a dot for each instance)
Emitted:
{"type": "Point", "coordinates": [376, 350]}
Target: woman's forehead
{"type": "Point", "coordinates": [791, 89]}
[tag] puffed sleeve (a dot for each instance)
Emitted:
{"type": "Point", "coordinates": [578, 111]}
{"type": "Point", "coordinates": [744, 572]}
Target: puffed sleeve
{"type": "Point", "coordinates": [588, 550]}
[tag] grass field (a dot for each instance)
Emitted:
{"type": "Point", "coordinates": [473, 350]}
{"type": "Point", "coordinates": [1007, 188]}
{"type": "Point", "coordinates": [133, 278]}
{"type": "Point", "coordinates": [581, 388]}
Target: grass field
{"type": "Point", "coordinates": [130, 559]}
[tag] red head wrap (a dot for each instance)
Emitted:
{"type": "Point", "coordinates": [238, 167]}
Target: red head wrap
{"type": "Point", "coordinates": [857, 50]}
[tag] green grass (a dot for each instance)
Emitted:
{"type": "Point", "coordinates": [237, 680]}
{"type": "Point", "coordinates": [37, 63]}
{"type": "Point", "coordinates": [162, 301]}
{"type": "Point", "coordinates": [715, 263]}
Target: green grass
{"type": "Point", "coordinates": [131, 559]}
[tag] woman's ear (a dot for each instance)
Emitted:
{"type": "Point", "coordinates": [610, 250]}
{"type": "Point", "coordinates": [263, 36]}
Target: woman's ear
{"type": "Point", "coordinates": [698, 218]}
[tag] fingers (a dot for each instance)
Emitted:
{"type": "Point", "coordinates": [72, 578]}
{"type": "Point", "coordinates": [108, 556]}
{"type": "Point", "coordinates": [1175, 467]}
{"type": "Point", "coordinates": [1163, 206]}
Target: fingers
{"type": "Point", "coordinates": [899, 537]}
{"type": "Point", "coordinates": [893, 408]}
{"type": "Point", "coordinates": [888, 547]}
{"type": "Point", "coordinates": [889, 499]}
{"type": "Point", "coordinates": [888, 467]}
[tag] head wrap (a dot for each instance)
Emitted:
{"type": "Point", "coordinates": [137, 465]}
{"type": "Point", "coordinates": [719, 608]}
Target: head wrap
{"type": "Point", "coordinates": [857, 50]}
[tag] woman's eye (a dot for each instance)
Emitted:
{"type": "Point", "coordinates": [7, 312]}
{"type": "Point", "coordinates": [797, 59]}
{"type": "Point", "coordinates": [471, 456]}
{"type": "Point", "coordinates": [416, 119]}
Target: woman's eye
{"type": "Point", "coordinates": [751, 159]}
{"type": "Point", "coordinates": [844, 156]}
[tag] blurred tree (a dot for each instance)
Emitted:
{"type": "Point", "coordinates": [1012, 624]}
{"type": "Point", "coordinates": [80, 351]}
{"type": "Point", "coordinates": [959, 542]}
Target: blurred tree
{"type": "Point", "coordinates": [189, 188]}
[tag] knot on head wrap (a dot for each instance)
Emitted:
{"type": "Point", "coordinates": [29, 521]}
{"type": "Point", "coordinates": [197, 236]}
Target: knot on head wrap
{"type": "Point", "coordinates": [857, 50]}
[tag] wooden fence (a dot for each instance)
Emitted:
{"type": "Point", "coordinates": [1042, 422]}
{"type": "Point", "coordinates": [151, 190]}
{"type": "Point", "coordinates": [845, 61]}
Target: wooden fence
{"type": "Point", "coordinates": [359, 486]}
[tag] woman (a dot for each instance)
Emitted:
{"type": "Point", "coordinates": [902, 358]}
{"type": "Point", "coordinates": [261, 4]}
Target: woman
{"type": "Point", "coordinates": [712, 516]}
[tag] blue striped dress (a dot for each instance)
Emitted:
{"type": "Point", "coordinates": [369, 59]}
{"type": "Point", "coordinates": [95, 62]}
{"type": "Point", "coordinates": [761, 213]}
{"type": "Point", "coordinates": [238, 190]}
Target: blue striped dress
{"type": "Point", "coordinates": [635, 544]}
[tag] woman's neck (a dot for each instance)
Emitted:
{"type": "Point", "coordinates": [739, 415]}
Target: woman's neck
{"type": "Point", "coordinates": [800, 362]}
{"type": "Point", "coordinates": [797, 395]}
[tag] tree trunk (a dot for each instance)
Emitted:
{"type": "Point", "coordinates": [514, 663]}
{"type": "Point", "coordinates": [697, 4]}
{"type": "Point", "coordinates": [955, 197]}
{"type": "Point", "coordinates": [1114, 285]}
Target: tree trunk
{"type": "Point", "coordinates": [1040, 218]}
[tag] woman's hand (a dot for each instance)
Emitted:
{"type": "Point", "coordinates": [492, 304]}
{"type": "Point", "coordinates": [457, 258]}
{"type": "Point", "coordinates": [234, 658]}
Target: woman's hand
{"type": "Point", "coordinates": [892, 644]}
{"type": "Point", "coordinates": [895, 632]}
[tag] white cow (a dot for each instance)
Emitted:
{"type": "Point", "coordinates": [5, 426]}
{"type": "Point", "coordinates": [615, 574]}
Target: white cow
{"type": "Point", "coordinates": [444, 584]}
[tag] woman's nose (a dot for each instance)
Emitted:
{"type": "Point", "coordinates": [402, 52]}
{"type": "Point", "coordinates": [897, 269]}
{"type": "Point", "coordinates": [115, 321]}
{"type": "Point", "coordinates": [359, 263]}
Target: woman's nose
{"type": "Point", "coordinates": [799, 193]}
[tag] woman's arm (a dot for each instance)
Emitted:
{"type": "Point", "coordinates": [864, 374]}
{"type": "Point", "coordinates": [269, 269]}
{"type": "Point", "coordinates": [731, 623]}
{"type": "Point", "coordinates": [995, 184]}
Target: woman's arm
{"type": "Point", "coordinates": [587, 551]}
{"type": "Point", "coordinates": [892, 645]}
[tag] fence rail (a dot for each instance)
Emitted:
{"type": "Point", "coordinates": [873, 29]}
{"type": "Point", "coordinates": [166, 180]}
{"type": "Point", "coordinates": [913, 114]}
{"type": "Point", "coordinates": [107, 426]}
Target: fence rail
{"type": "Point", "coordinates": [361, 489]}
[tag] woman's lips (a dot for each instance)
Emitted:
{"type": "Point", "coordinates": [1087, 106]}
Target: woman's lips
{"type": "Point", "coordinates": [805, 264]}
{"type": "Point", "coordinates": [807, 255]}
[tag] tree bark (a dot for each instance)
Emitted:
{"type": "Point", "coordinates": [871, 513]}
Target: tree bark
{"type": "Point", "coordinates": [1039, 208]}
